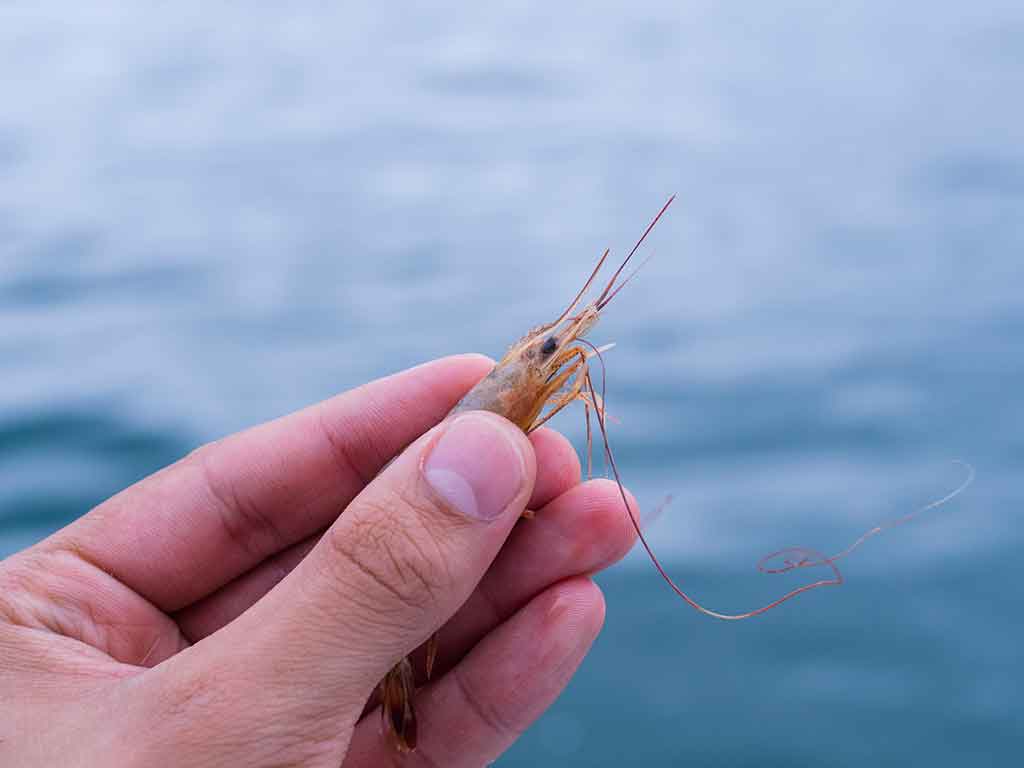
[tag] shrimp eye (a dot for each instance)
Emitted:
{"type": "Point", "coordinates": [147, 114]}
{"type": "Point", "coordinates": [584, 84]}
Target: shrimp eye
{"type": "Point", "coordinates": [549, 346]}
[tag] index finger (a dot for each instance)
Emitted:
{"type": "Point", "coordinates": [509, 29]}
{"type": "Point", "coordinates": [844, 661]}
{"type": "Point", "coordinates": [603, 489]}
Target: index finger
{"type": "Point", "coordinates": [191, 528]}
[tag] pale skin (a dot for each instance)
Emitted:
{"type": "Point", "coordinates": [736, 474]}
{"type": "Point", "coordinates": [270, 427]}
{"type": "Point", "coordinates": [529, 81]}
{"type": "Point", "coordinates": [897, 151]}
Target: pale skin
{"type": "Point", "coordinates": [221, 612]}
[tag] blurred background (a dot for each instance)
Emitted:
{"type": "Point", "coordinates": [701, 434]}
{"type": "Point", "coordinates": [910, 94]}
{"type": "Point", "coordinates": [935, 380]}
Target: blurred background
{"type": "Point", "coordinates": [209, 218]}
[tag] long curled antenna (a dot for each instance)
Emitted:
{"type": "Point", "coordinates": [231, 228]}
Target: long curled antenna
{"type": "Point", "coordinates": [796, 557]}
{"type": "Point", "coordinates": [793, 557]}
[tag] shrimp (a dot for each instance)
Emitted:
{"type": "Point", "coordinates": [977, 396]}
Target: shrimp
{"type": "Point", "coordinates": [545, 368]}
{"type": "Point", "coordinates": [539, 375]}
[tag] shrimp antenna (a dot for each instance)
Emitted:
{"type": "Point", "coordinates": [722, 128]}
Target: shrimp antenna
{"type": "Point", "coordinates": [836, 579]}
{"type": "Point", "coordinates": [604, 297]}
{"type": "Point", "coordinates": [789, 564]}
{"type": "Point", "coordinates": [804, 556]}
{"type": "Point", "coordinates": [626, 280]}
{"type": "Point", "coordinates": [586, 286]}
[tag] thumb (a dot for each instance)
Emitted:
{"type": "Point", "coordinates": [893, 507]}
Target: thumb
{"type": "Point", "coordinates": [400, 560]}
{"type": "Point", "coordinates": [410, 549]}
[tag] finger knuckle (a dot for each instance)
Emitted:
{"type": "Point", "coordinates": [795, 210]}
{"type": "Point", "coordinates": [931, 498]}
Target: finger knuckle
{"type": "Point", "coordinates": [198, 710]}
{"type": "Point", "coordinates": [488, 713]}
{"type": "Point", "coordinates": [191, 695]}
{"type": "Point", "coordinates": [244, 522]}
{"type": "Point", "coordinates": [391, 551]}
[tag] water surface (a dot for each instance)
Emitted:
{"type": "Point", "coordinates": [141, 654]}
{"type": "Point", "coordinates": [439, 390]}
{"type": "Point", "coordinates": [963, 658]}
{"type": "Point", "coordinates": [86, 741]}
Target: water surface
{"type": "Point", "coordinates": [208, 219]}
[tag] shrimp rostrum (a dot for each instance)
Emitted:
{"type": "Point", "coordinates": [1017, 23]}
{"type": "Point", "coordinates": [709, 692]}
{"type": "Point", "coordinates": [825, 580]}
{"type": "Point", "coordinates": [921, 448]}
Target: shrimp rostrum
{"type": "Point", "coordinates": [542, 373]}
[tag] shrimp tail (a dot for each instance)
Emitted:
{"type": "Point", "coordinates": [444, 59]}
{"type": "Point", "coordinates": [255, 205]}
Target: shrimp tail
{"type": "Point", "coordinates": [396, 693]}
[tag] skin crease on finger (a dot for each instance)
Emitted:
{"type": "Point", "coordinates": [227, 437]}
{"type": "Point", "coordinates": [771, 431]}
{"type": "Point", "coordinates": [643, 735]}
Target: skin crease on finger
{"type": "Point", "coordinates": [68, 588]}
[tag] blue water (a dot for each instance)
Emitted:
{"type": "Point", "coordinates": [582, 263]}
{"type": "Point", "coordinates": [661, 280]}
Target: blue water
{"type": "Point", "coordinates": [209, 218]}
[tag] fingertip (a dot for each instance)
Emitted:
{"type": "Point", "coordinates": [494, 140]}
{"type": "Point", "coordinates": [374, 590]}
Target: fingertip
{"type": "Point", "coordinates": [558, 466]}
{"type": "Point", "coordinates": [594, 524]}
{"type": "Point", "coordinates": [480, 464]}
{"type": "Point", "coordinates": [611, 519]}
{"type": "Point", "coordinates": [577, 608]}
{"type": "Point", "coordinates": [517, 437]}
{"type": "Point", "coordinates": [448, 378]}
{"type": "Point", "coordinates": [562, 623]}
{"type": "Point", "coordinates": [473, 362]}
{"type": "Point", "coordinates": [476, 357]}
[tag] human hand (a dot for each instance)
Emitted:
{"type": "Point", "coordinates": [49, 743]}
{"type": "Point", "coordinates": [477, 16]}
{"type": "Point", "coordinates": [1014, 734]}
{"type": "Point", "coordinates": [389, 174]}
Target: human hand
{"type": "Point", "coordinates": [222, 613]}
